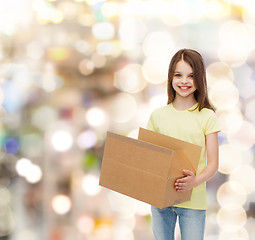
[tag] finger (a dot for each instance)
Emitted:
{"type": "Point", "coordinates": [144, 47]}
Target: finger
{"type": "Point", "coordinates": [180, 185]}
{"type": "Point", "coordinates": [180, 189]}
{"type": "Point", "coordinates": [187, 172]}
{"type": "Point", "coordinates": [181, 180]}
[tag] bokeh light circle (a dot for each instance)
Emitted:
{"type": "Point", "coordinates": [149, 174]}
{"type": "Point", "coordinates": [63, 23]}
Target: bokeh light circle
{"type": "Point", "coordinates": [155, 69]}
{"type": "Point", "coordinates": [230, 120]}
{"type": "Point", "coordinates": [227, 194]}
{"type": "Point", "coordinates": [218, 71]}
{"type": "Point", "coordinates": [244, 138]}
{"type": "Point", "coordinates": [224, 94]}
{"type": "Point", "coordinates": [96, 116]}
{"type": "Point", "coordinates": [123, 107]}
{"type": "Point", "coordinates": [61, 140]}
{"type": "Point", "coordinates": [130, 79]}
{"type": "Point", "coordinates": [237, 42]}
{"type": "Point", "coordinates": [90, 185]}
{"type": "Point", "coordinates": [234, 234]}
{"type": "Point", "coordinates": [245, 175]}
{"type": "Point", "coordinates": [231, 216]}
{"type": "Point", "coordinates": [61, 204]}
{"type": "Point", "coordinates": [156, 43]}
{"type": "Point", "coordinates": [229, 158]}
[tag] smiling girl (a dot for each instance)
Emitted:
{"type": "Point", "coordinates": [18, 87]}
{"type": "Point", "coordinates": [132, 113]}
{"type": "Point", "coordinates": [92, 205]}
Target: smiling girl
{"type": "Point", "coordinates": [188, 116]}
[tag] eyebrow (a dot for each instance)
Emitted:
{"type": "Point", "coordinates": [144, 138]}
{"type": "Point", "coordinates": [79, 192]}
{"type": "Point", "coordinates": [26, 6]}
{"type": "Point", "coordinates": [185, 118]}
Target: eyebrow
{"type": "Point", "coordinates": [181, 72]}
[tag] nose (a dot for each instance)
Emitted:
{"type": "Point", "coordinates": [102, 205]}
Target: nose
{"type": "Point", "coordinates": [184, 80]}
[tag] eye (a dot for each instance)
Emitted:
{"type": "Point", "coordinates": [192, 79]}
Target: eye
{"type": "Point", "coordinates": [177, 75]}
{"type": "Point", "coordinates": [191, 75]}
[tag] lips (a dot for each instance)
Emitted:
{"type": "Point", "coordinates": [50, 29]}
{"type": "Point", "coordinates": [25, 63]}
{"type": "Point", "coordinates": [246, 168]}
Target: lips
{"type": "Point", "coordinates": [184, 87]}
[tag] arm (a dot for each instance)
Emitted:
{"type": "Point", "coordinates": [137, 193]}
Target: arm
{"type": "Point", "coordinates": [191, 181]}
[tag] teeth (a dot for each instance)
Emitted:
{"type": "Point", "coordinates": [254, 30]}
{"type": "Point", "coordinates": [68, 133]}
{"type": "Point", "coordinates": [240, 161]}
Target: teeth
{"type": "Point", "coordinates": [184, 87]}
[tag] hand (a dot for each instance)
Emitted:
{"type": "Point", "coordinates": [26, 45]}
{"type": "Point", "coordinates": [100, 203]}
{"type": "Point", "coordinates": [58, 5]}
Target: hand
{"type": "Point", "coordinates": [185, 183]}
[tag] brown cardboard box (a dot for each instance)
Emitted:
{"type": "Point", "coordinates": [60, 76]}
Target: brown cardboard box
{"type": "Point", "coordinates": [145, 169]}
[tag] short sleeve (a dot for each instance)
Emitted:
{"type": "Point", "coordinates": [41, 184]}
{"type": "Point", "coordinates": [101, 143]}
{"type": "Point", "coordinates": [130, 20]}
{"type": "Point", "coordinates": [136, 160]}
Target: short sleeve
{"type": "Point", "coordinates": [212, 124]}
{"type": "Point", "coordinates": [150, 124]}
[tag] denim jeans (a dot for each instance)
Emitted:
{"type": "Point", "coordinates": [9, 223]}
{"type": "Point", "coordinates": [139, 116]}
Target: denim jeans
{"type": "Point", "coordinates": [191, 222]}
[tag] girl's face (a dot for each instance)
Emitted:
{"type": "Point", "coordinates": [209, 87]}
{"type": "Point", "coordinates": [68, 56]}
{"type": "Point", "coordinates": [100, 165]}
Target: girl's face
{"type": "Point", "coordinates": [183, 81]}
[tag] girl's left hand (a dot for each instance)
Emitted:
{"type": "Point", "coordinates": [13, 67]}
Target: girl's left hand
{"type": "Point", "coordinates": [186, 183]}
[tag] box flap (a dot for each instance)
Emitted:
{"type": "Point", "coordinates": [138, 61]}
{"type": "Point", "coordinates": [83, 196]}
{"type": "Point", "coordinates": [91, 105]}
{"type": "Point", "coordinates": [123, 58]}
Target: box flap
{"type": "Point", "coordinates": [180, 162]}
{"type": "Point", "coordinates": [191, 151]}
{"type": "Point", "coordinates": [138, 154]}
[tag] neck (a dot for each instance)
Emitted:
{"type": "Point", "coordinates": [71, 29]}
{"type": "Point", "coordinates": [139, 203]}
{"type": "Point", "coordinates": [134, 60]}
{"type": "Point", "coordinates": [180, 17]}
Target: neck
{"type": "Point", "coordinates": [184, 104]}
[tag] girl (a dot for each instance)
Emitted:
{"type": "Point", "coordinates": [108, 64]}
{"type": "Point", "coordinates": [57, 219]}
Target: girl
{"type": "Point", "coordinates": [190, 117]}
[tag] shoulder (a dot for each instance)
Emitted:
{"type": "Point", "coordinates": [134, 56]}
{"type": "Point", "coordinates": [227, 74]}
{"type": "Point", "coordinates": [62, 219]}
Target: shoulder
{"type": "Point", "coordinates": [210, 122]}
{"type": "Point", "coordinates": [207, 113]}
{"type": "Point", "coordinates": [160, 110]}
{"type": "Point", "coordinates": [155, 118]}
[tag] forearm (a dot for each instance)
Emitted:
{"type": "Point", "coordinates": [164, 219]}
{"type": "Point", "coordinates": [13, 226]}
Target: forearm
{"type": "Point", "coordinates": [207, 174]}
{"type": "Point", "coordinates": [191, 181]}
{"type": "Point", "coordinates": [212, 159]}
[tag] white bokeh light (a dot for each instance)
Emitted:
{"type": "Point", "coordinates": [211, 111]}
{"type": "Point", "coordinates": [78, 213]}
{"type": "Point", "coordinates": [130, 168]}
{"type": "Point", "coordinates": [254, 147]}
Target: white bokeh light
{"type": "Point", "coordinates": [224, 94]}
{"type": "Point", "coordinates": [61, 140]}
{"type": "Point", "coordinates": [226, 194]}
{"type": "Point", "coordinates": [129, 79]}
{"type": "Point", "coordinates": [143, 209]}
{"type": "Point", "coordinates": [216, 9]}
{"type": "Point", "coordinates": [245, 175]}
{"type": "Point", "coordinates": [96, 116]}
{"type": "Point", "coordinates": [127, 24]}
{"type": "Point", "coordinates": [231, 216]}
{"type": "Point", "coordinates": [218, 71]}
{"type": "Point", "coordinates": [237, 42]}
{"type": "Point", "coordinates": [230, 120]}
{"type": "Point", "coordinates": [229, 158]}
{"type": "Point", "coordinates": [123, 107]}
{"type": "Point", "coordinates": [103, 30]}
{"type": "Point", "coordinates": [178, 12]}
{"type": "Point", "coordinates": [234, 234]}
{"type": "Point", "coordinates": [156, 43]}
{"type": "Point", "coordinates": [35, 174]}
{"type": "Point", "coordinates": [90, 185]}
{"type": "Point", "coordinates": [32, 172]}
{"type": "Point", "coordinates": [22, 166]}
{"type": "Point", "coordinates": [157, 101]}
{"type": "Point", "coordinates": [61, 204]}
{"type": "Point", "coordinates": [248, 13]}
{"type": "Point", "coordinates": [244, 138]}
{"type": "Point", "coordinates": [122, 204]}
{"type": "Point", "coordinates": [155, 69]}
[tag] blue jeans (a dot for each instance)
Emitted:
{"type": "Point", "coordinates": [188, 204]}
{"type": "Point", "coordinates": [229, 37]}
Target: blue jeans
{"type": "Point", "coordinates": [191, 222]}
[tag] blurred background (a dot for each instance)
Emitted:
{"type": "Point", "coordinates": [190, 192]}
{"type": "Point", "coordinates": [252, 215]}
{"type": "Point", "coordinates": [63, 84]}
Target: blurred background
{"type": "Point", "coordinates": [71, 70]}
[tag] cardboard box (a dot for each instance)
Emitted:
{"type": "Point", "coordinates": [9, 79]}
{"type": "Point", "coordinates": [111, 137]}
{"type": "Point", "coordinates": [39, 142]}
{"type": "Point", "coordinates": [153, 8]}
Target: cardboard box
{"type": "Point", "coordinates": [146, 169]}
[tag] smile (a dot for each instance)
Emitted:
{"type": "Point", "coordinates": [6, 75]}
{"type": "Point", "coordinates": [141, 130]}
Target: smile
{"type": "Point", "coordinates": [184, 87]}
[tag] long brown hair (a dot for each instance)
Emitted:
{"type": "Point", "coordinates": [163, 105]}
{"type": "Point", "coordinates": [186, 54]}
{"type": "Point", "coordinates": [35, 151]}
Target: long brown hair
{"type": "Point", "coordinates": [195, 60]}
